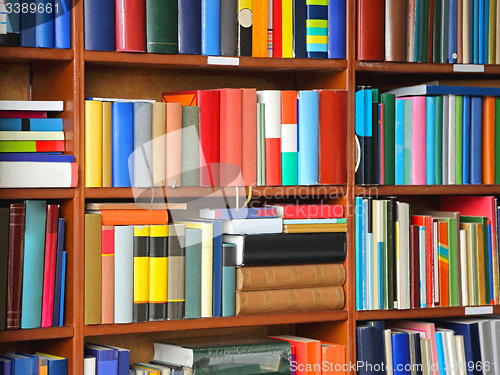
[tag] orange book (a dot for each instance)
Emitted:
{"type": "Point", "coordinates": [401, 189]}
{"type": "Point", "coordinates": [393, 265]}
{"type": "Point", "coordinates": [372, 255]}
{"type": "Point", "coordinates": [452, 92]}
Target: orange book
{"type": "Point", "coordinates": [489, 140]}
{"type": "Point", "coordinates": [108, 274]}
{"type": "Point", "coordinates": [173, 145]}
{"type": "Point", "coordinates": [307, 356]}
{"type": "Point", "coordinates": [230, 137]}
{"type": "Point", "coordinates": [134, 217]}
{"type": "Point", "coordinates": [259, 28]}
{"type": "Point", "coordinates": [332, 359]}
{"type": "Point", "coordinates": [249, 136]}
{"type": "Point", "coordinates": [443, 253]}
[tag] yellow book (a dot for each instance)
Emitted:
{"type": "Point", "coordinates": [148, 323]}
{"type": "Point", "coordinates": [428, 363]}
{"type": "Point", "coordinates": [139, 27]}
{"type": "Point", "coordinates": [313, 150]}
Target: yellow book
{"type": "Point", "coordinates": [158, 272]}
{"type": "Point", "coordinates": [492, 35]}
{"type": "Point", "coordinates": [93, 143]}
{"type": "Point", "coordinates": [259, 28]}
{"type": "Point", "coordinates": [314, 228]}
{"type": "Point", "coordinates": [141, 273]}
{"type": "Point", "coordinates": [287, 28]}
{"type": "Point", "coordinates": [207, 253]}
{"type": "Point", "coordinates": [149, 370]}
{"type": "Point", "coordinates": [106, 144]}
{"type": "Point", "coordinates": [159, 142]}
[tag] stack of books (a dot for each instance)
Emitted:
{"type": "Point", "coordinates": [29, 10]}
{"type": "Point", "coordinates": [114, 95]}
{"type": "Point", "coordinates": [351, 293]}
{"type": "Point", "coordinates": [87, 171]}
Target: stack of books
{"type": "Point", "coordinates": [430, 258]}
{"type": "Point", "coordinates": [439, 31]}
{"type": "Point", "coordinates": [32, 266]}
{"type": "Point", "coordinates": [464, 345]}
{"type": "Point", "coordinates": [141, 267]}
{"type": "Point", "coordinates": [41, 23]}
{"type": "Point", "coordinates": [14, 363]}
{"type": "Point", "coordinates": [428, 135]}
{"type": "Point", "coordinates": [262, 28]}
{"type": "Point", "coordinates": [226, 137]}
{"type": "Point", "coordinates": [31, 146]}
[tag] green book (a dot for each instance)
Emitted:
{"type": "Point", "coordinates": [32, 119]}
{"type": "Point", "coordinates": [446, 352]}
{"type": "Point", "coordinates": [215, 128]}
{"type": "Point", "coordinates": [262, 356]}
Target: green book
{"type": "Point", "coordinates": [443, 48]}
{"type": "Point", "coordinates": [375, 95]}
{"type": "Point", "coordinates": [389, 102]}
{"type": "Point", "coordinates": [193, 275]}
{"type": "Point", "coordinates": [407, 144]}
{"type": "Point", "coordinates": [391, 251]}
{"type": "Point", "coordinates": [436, 43]}
{"type": "Point", "coordinates": [497, 140]}
{"type": "Point", "coordinates": [190, 160]}
{"type": "Point", "coordinates": [228, 278]}
{"type": "Point", "coordinates": [289, 168]}
{"type": "Point", "coordinates": [458, 138]}
{"type": "Point", "coordinates": [439, 140]}
{"type": "Point", "coordinates": [161, 26]}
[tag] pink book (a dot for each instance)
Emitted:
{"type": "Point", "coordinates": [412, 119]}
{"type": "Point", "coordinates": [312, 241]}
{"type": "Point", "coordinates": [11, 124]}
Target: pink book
{"type": "Point", "coordinates": [23, 114]}
{"type": "Point", "coordinates": [108, 274]}
{"type": "Point", "coordinates": [382, 145]}
{"type": "Point", "coordinates": [426, 330]}
{"type": "Point", "coordinates": [478, 206]}
{"type": "Point", "coordinates": [418, 140]}
{"type": "Point", "coordinates": [49, 268]}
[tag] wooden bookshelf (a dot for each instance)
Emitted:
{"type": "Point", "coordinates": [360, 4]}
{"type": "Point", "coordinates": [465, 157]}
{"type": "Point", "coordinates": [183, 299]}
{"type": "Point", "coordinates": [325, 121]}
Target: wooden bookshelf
{"type": "Point", "coordinates": [28, 55]}
{"type": "Point", "coordinates": [37, 193]}
{"type": "Point", "coordinates": [427, 313]}
{"type": "Point", "coordinates": [428, 190]}
{"type": "Point", "coordinates": [425, 68]}
{"type": "Point", "coordinates": [37, 334]}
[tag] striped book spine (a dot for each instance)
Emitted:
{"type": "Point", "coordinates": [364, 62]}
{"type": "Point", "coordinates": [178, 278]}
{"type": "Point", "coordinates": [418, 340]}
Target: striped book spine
{"type": "Point", "coordinates": [176, 270]}
{"type": "Point", "coordinates": [158, 267]}
{"type": "Point", "coordinates": [141, 273]}
{"type": "Point", "coordinates": [443, 261]}
{"type": "Point", "coordinates": [317, 29]}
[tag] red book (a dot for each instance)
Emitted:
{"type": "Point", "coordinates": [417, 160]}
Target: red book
{"type": "Point", "coordinates": [23, 114]}
{"type": "Point", "coordinates": [371, 30]}
{"type": "Point", "coordinates": [444, 276]}
{"type": "Point", "coordinates": [108, 275]}
{"type": "Point", "coordinates": [131, 25]}
{"type": "Point", "coordinates": [426, 221]}
{"type": "Point", "coordinates": [17, 213]}
{"type": "Point", "coordinates": [249, 137]}
{"type": "Point", "coordinates": [277, 29]}
{"type": "Point", "coordinates": [230, 137]}
{"type": "Point", "coordinates": [49, 269]}
{"type": "Point", "coordinates": [311, 211]}
{"type": "Point", "coordinates": [333, 137]}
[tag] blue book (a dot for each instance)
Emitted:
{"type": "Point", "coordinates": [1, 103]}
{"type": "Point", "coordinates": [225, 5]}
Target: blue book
{"type": "Point", "coordinates": [58, 274]}
{"type": "Point", "coordinates": [228, 278]}
{"type": "Point", "coordinates": [452, 31]}
{"type": "Point", "coordinates": [475, 26]}
{"type": "Point", "coordinates": [106, 359]}
{"type": "Point", "coordinates": [99, 21]}
{"type": "Point", "coordinates": [63, 289]}
{"type": "Point", "coordinates": [476, 141]}
{"type": "Point", "coordinates": [55, 365]}
{"type": "Point", "coordinates": [31, 124]}
{"type": "Point", "coordinates": [379, 327]}
{"type": "Point", "coordinates": [481, 32]}
{"type": "Point", "coordinates": [317, 29]}
{"type": "Point", "coordinates": [62, 24]}
{"type": "Point", "coordinates": [400, 353]}
{"type": "Point", "coordinates": [431, 141]}
{"type": "Point", "coordinates": [21, 364]}
{"type": "Point", "coordinates": [466, 141]}
{"type": "Point", "coordinates": [490, 263]}
{"type": "Point", "coordinates": [299, 29]}
{"type": "Point", "coordinates": [210, 27]}
{"type": "Point", "coordinates": [28, 24]}
{"type": "Point", "coordinates": [471, 32]}
{"type": "Point", "coordinates": [440, 352]}
{"type": "Point", "coordinates": [337, 29]}
{"type": "Point", "coordinates": [308, 124]}
{"type": "Point", "coordinates": [44, 24]}
{"type": "Point", "coordinates": [122, 129]}
{"type": "Point", "coordinates": [365, 342]}
{"type": "Point", "coordinates": [123, 359]}
{"type": "Point", "coordinates": [5, 366]}
{"type": "Point", "coordinates": [420, 90]}
{"type": "Point", "coordinates": [190, 27]}
{"type": "Point", "coordinates": [38, 157]}
{"type": "Point", "coordinates": [399, 142]}
{"type": "Point", "coordinates": [418, 354]}
{"type": "Point", "coordinates": [364, 275]}
{"type": "Point", "coordinates": [34, 252]}
{"type": "Point", "coordinates": [359, 247]}
{"type": "Point", "coordinates": [486, 29]}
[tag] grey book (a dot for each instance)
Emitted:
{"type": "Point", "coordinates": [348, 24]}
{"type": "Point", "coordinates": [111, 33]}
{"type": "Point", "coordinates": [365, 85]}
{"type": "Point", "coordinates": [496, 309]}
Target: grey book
{"type": "Point", "coordinates": [228, 27]}
{"type": "Point", "coordinates": [143, 153]}
{"type": "Point", "coordinates": [190, 164]}
{"type": "Point", "coordinates": [124, 274]}
{"type": "Point", "coordinates": [176, 270]}
{"type": "Point", "coordinates": [192, 275]}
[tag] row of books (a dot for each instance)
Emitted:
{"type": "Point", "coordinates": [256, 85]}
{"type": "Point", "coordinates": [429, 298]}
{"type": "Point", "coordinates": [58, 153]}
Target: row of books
{"type": "Point", "coordinates": [439, 31]}
{"type": "Point", "coordinates": [33, 266]}
{"type": "Point", "coordinates": [429, 258]}
{"type": "Point", "coordinates": [140, 267]}
{"type": "Point", "coordinates": [259, 28]}
{"type": "Point", "coordinates": [454, 345]}
{"type": "Point", "coordinates": [226, 137]}
{"type": "Point", "coordinates": [229, 355]}
{"type": "Point", "coordinates": [31, 146]}
{"type": "Point", "coordinates": [35, 23]}
{"type": "Point", "coordinates": [15, 363]}
{"type": "Point", "coordinates": [428, 135]}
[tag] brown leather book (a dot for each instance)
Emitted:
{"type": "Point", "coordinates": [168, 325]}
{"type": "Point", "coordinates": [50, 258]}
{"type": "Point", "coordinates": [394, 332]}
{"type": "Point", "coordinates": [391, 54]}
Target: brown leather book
{"type": "Point", "coordinates": [289, 300]}
{"type": "Point", "coordinates": [93, 269]}
{"type": "Point", "coordinates": [289, 277]}
{"type": "Point", "coordinates": [371, 30]}
{"type": "Point", "coordinates": [4, 259]}
{"type": "Point", "coordinates": [431, 31]}
{"type": "Point", "coordinates": [17, 219]}
{"type": "Point", "coordinates": [396, 21]}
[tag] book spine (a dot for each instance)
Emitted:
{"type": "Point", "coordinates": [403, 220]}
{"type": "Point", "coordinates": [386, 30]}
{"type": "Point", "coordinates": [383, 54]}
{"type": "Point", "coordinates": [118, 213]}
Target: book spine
{"type": "Point", "coordinates": [229, 28]}
{"type": "Point", "coordinates": [62, 24]}
{"type": "Point", "coordinates": [59, 273]}
{"type": "Point", "coordinates": [396, 21]}
{"type": "Point", "coordinates": [189, 23]}
{"type": "Point", "coordinates": [259, 31]}
{"type": "Point", "coordinates": [143, 166]}
{"type": "Point", "coordinates": [488, 140]}
{"type": "Point", "coordinates": [277, 29]}
{"type": "Point", "coordinates": [4, 268]}
{"type": "Point", "coordinates": [209, 103]}
{"type": "Point", "coordinates": [12, 30]}
{"type": "Point", "coordinates": [497, 139]}
{"type": "Point", "coordinates": [337, 10]}
{"type": "Point", "coordinates": [408, 152]}
{"type": "Point", "coordinates": [476, 140]}
{"type": "Point", "coordinates": [458, 139]}
{"type": "Point", "coordinates": [28, 24]}
{"type": "Point", "coordinates": [158, 271]}
{"type": "Point", "coordinates": [124, 274]}
{"type": "Point", "coordinates": [389, 151]}
{"type": "Point", "coordinates": [287, 28]}
{"type": "Point", "coordinates": [399, 143]}
{"type": "Point", "coordinates": [173, 132]}
{"type": "Point", "coordinates": [228, 279]}
{"type": "Point", "coordinates": [107, 143]}
{"type": "Point", "coordinates": [245, 25]}
{"type": "Point", "coordinates": [99, 19]}
{"type": "Point", "coordinates": [44, 24]}
{"type": "Point", "coordinates": [249, 137]}
{"type": "Point", "coordinates": [370, 30]}
{"type": "Point", "coordinates": [141, 274]}
{"type": "Point", "coordinates": [299, 29]}
{"type": "Point", "coordinates": [190, 162]}
{"type": "Point", "coordinates": [308, 116]}
{"type": "Point", "coordinates": [161, 26]}
{"type": "Point", "coordinates": [270, 28]}
{"type": "Point", "coordinates": [317, 29]}
{"type": "Point", "coordinates": [93, 143]}
{"type": "Point", "coordinates": [38, 175]}
{"type": "Point", "coordinates": [431, 141]}
{"type": "Point", "coordinates": [210, 27]}
{"type": "Point", "coordinates": [158, 140]}
{"type": "Point", "coordinates": [418, 152]}
{"type": "Point", "coordinates": [192, 278]}
{"type": "Point", "coordinates": [108, 274]}
{"type": "Point", "coordinates": [49, 270]}
{"type": "Point", "coordinates": [131, 25]}
{"type": "Point", "coordinates": [289, 141]}
{"type": "Point", "coordinates": [176, 271]}
{"type": "Point", "coordinates": [93, 269]}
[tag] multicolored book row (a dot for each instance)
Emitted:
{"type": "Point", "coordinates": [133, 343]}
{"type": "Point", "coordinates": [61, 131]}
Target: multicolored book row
{"type": "Point", "coordinates": [226, 137]}
{"type": "Point", "coordinates": [15, 363]}
{"type": "Point", "coordinates": [439, 31]}
{"type": "Point", "coordinates": [415, 259]}
{"type": "Point", "coordinates": [428, 135]}
{"type": "Point", "coordinates": [259, 28]}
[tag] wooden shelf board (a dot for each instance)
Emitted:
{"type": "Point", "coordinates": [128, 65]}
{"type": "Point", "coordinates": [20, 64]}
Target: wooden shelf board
{"type": "Point", "coordinates": [428, 190]}
{"type": "Point", "coordinates": [317, 191]}
{"type": "Point", "coordinates": [27, 54]}
{"type": "Point", "coordinates": [433, 312]}
{"type": "Point", "coordinates": [425, 68]}
{"type": "Point", "coordinates": [37, 334]}
{"type": "Point", "coordinates": [67, 193]}
{"type": "Point", "coordinates": [177, 61]}
{"type": "Point", "coordinates": [208, 323]}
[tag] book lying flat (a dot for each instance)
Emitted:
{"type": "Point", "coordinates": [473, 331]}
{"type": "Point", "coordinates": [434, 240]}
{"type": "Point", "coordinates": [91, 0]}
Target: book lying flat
{"type": "Point", "coordinates": [31, 105]}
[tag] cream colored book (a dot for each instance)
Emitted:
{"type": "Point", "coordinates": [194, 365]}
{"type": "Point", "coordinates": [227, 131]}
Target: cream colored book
{"type": "Point", "coordinates": [459, 343]}
{"type": "Point", "coordinates": [159, 143]}
{"type": "Point", "coordinates": [106, 144]}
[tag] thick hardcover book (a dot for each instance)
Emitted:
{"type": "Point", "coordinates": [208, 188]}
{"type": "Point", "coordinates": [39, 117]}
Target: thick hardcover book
{"type": "Point", "coordinates": [272, 101]}
{"type": "Point", "coordinates": [389, 150]}
{"type": "Point", "coordinates": [143, 133]}
{"type": "Point", "coordinates": [31, 146]}
{"type": "Point", "coordinates": [108, 274]}
{"type": "Point", "coordinates": [396, 20]}
{"type": "Point", "coordinates": [299, 28]}
{"type": "Point", "coordinates": [158, 139]}
{"type": "Point", "coordinates": [4, 261]}
{"type": "Point", "coordinates": [59, 273]}
{"type": "Point", "coordinates": [270, 249]}
{"type": "Point", "coordinates": [259, 29]}
{"type": "Point", "coordinates": [141, 274]}
{"type": "Point", "coordinates": [245, 25]}
{"type": "Point", "coordinates": [229, 28]}
{"type": "Point", "coordinates": [176, 269]}
{"type": "Point", "coordinates": [488, 133]}
{"type": "Point", "coordinates": [30, 124]}
{"type": "Point", "coordinates": [107, 144]}
{"type": "Point", "coordinates": [161, 26]}
{"type": "Point", "coordinates": [476, 141]}
{"type": "Point", "coordinates": [124, 274]}
{"type": "Point", "coordinates": [38, 175]}
{"type": "Point", "coordinates": [34, 241]}
{"type": "Point", "coordinates": [62, 24]}
{"type": "Point", "coordinates": [28, 24]}
{"type": "Point", "coordinates": [231, 137]}
{"type": "Point", "coordinates": [289, 138]}
{"type": "Point", "coordinates": [210, 27]}
{"type": "Point", "coordinates": [49, 269]}
{"type": "Point", "coordinates": [93, 143]}
{"type": "Point", "coordinates": [317, 30]}
{"type": "Point", "coordinates": [173, 164]}
{"type": "Point", "coordinates": [44, 24]}
{"type": "Point", "coordinates": [242, 213]}
{"type": "Point", "coordinates": [190, 26]}
{"type": "Point", "coordinates": [131, 25]}
{"type": "Point", "coordinates": [99, 25]}
{"type": "Point", "coordinates": [360, 144]}
{"type": "Point", "coordinates": [93, 278]}
{"type": "Point", "coordinates": [371, 30]}
{"type": "Point", "coordinates": [308, 124]}
{"type": "Point", "coordinates": [365, 338]}
{"type": "Point", "coordinates": [400, 353]}
{"type": "Point", "coordinates": [228, 278]}
{"type": "Point", "coordinates": [192, 283]}
{"type": "Point", "coordinates": [190, 162]}
{"type": "Point", "coordinates": [158, 271]}
{"type": "Point", "coordinates": [287, 28]}
{"type": "Point", "coordinates": [249, 137]}
{"type": "Point", "coordinates": [337, 29]}
{"type": "Point", "coordinates": [106, 358]}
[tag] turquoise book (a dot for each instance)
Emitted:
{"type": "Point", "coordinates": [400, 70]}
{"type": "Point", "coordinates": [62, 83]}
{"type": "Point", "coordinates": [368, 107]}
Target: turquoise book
{"type": "Point", "coordinates": [228, 278]}
{"type": "Point", "coordinates": [192, 284]}
{"type": "Point", "coordinates": [431, 141]}
{"type": "Point", "coordinates": [408, 140]}
{"type": "Point", "coordinates": [359, 247]}
{"type": "Point", "coordinates": [399, 142]}
{"type": "Point", "coordinates": [34, 251]}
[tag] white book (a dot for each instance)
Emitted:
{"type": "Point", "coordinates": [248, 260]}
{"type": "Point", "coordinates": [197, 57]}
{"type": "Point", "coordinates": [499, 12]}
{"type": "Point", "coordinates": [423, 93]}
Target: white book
{"type": "Point", "coordinates": [446, 126]}
{"type": "Point", "coordinates": [89, 365]}
{"type": "Point", "coordinates": [31, 105]}
{"type": "Point", "coordinates": [252, 226]}
{"type": "Point", "coordinates": [495, 339]}
{"type": "Point", "coordinates": [388, 351]}
{"type": "Point", "coordinates": [425, 348]}
{"type": "Point", "coordinates": [451, 140]}
{"type": "Point", "coordinates": [124, 274]}
{"type": "Point", "coordinates": [460, 347]}
{"type": "Point", "coordinates": [463, 267]}
{"type": "Point", "coordinates": [403, 270]}
{"type": "Point", "coordinates": [31, 136]}
{"type": "Point", "coordinates": [3, 18]}
{"type": "Point", "coordinates": [375, 259]}
{"type": "Point", "coordinates": [38, 175]}
{"type": "Point", "coordinates": [272, 101]}
{"type": "Point", "coordinates": [423, 268]}
{"type": "Point", "coordinates": [436, 262]}
{"type": "Point", "coordinates": [486, 344]}
{"type": "Point", "coordinates": [450, 352]}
